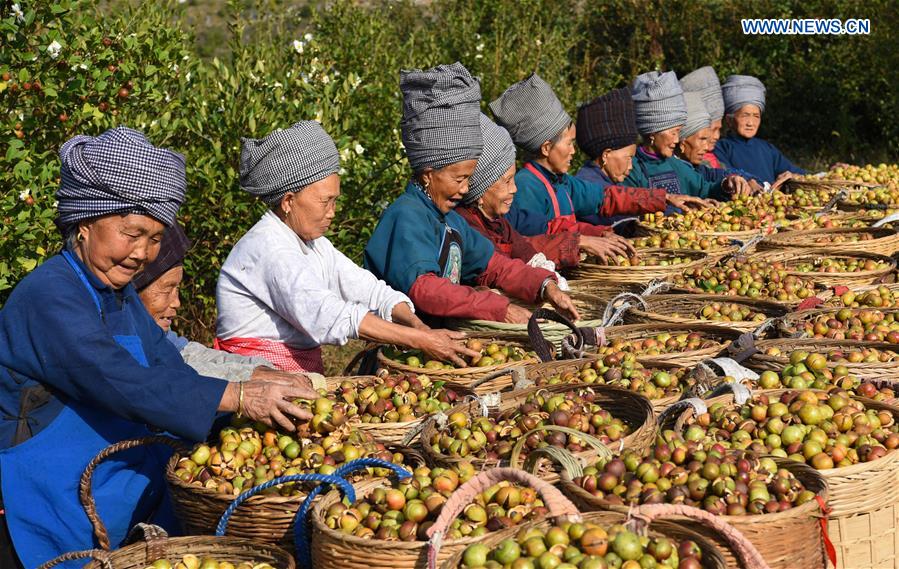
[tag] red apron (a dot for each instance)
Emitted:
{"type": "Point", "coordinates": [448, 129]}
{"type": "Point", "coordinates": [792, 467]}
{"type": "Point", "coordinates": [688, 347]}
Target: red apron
{"type": "Point", "coordinates": [282, 356]}
{"type": "Point", "coordinates": [564, 223]}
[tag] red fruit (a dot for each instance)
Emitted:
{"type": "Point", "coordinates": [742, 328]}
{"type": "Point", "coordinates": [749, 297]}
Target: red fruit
{"type": "Point", "coordinates": [107, 42]}
{"type": "Point", "coordinates": [20, 135]}
{"type": "Point", "coordinates": [6, 76]}
{"type": "Point", "coordinates": [36, 86]}
{"type": "Point", "coordinates": [111, 68]}
{"type": "Point", "coordinates": [26, 85]}
{"type": "Point", "coordinates": [29, 200]}
{"type": "Point", "coordinates": [103, 106]}
{"type": "Point", "coordinates": [123, 93]}
{"type": "Point", "coordinates": [63, 117]}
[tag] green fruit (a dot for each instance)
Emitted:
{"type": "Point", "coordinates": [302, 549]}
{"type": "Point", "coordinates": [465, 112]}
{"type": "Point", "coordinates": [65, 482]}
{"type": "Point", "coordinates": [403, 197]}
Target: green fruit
{"type": "Point", "coordinates": [475, 555]}
{"type": "Point", "coordinates": [507, 551]}
{"type": "Point", "coordinates": [626, 545]}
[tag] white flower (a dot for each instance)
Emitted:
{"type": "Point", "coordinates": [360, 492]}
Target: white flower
{"type": "Point", "coordinates": [168, 98]}
{"type": "Point", "coordinates": [326, 79]}
{"type": "Point", "coordinates": [82, 66]}
{"type": "Point", "coordinates": [187, 77]}
{"type": "Point", "coordinates": [359, 149]}
{"type": "Point", "coordinates": [480, 47]}
{"type": "Point", "coordinates": [17, 12]}
{"type": "Point", "coordinates": [341, 172]}
{"type": "Point", "coordinates": [345, 154]}
{"type": "Point", "coordinates": [277, 85]}
{"type": "Point", "coordinates": [308, 37]}
{"type": "Point", "coordinates": [479, 56]}
{"type": "Point", "coordinates": [538, 42]}
{"type": "Point", "coordinates": [23, 195]}
{"type": "Point", "coordinates": [55, 204]}
{"type": "Point", "coordinates": [298, 46]}
{"type": "Point", "coordinates": [356, 81]}
{"type": "Point", "coordinates": [53, 49]}
{"type": "Point", "coordinates": [175, 67]}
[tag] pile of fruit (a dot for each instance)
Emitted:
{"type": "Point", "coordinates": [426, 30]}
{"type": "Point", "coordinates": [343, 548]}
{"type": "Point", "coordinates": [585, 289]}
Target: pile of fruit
{"type": "Point", "coordinates": [649, 260]}
{"type": "Point", "coordinates": [810, 371]}
{"type": "Point", "coordinates": [881, 297]}
{"type": "Point", "coordinates": [803, 198]}
{"type": "Point", "coordinates": [492, 439]}
{"type": "Point", "coordinates": [746, 277]}
{"type": "Point", "coordinates": [251, 455]}
{"type": "Point", "coordinates": [584, 546]}
{"type": "Point", "coordinates": [848, 355]}
{"type": "Point", "coordinates": [682, 240]}
{"type": "Point", "coordinates": [661, 343]}
{"type": "Point", "coordinates": [839, 238]}
{"type": "Point", "coordinates": [724, 312]}
{"type": "Point", "coordinates": [491, 354]}
{"type": "Point", "coordinates": [194, 562]}
{"type": "Point", "coordinates": [827, 222]}
{"type": "Point", "coordinates": [624, 371]}
{"type": "Point", "coordinates": [880, 174]}
{"type": "Point", "coordinates": [405, 510]}
{"type": "Point", "coordinates": [824, 429]}
{"type": "Point", "coordinates": [720, 482]}
{"type": "Point", "coordinates": [395, 398]}
{"type": "Point", "coordinates": [838, 265]}
{"type": "Point", "coordinates": [728, 217]}
{"type": "Point", "coordinates": [867, 324]}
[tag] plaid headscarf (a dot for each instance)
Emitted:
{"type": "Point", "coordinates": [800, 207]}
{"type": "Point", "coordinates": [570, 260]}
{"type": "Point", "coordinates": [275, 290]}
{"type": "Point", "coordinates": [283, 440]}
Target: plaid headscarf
{"type": "Point", "coordinates": [606, 122]}
{"type": "Point", "coordinates": [172, 250]}
{"type": "Point", "coordinates": [741, 90]}
{"type": "Point", "coordinates": [531, 112]}
{"type": "Point", "coordinates": [705, 81]}
{"type": "Point", "coordinates": [497, 158]}
{"type": "Point", "coordinates": [118, 172]}
{"type": "Point", "coordinates": [698, 117]}
{"type": "Point", "coordinates": [441, 116]}
{"type": "Point", "coordinates": [658, 102]}
{"type": "Point", "coordinates": [287, 160]}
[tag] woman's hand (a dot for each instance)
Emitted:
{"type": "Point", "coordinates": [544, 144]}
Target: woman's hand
{"type": "Point", "coordinates": [445, 346]}
{"type": "Point", "coordinates": [264, 373]}
{"type": "Point", "coordinates": [517, 315]}
{"type": "Point", "coordinates": [737, 186]}
{"type": "Point", "coordinates": [784, 176]}
{"type": "Point", "coordinates": [604, 248]}
{"type": "Point", "coordinates": [561, 301]}
{"type": "Point", "coordinates": [685, 202]}
{"type": "Point", "coordinates": [268, 401]}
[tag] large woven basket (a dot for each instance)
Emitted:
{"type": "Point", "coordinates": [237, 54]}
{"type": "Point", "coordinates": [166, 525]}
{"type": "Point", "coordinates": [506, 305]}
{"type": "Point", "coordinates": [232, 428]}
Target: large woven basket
{"type": "Point", "coordinates": [863, 371]}
{"type": "Point", "coordinates": [332, 549]}
{"type": "Point", "coordinates": [885, 241]}
{"type": "Point", "coordinates": [774, 535]}
{"type": "Point", "coordinates": [633, 409]}
{"type": "Point", "coordinates": [827, 183]}
{"type": "Point", "coordinates": [553, 332]}
{"type": "Point", "coordinates": [641, 274]}
{"type": "Point", "coordinates": [831, 299]}
{"type": "Point", "coordinates": [790, 259]}
{"type": "Point", "coordinates": [662, 307]}
{"type": "Point", "coordinates": [792, 325]}
{"type": "Point", "coordinates": [602, 289]}
{"type": "Point", "coordinates": [742, 236]}
{"type": "Point", "coordinates": [724, 336]}
{"type": "Point", "coordinates": [863, 499]}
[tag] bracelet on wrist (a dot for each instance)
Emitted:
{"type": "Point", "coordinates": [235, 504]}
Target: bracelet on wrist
{"type": "Point", "coordinates": [240, 400]}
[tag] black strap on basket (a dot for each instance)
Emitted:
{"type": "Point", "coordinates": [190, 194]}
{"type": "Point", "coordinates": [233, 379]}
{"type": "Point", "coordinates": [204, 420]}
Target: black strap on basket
{"type": "Point", "coordinates": [366, 360]}
{"type": "Point", "coordinates": [742, 348]}
{"type": "Point", "coordinates": [545, 350]}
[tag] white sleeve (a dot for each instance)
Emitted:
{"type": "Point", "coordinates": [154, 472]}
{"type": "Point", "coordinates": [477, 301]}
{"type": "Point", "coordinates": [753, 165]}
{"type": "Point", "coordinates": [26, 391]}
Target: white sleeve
{"type": "Point", "coordinates": [362, 286]}
{"type": "Point", "coordinates": [216, 363]}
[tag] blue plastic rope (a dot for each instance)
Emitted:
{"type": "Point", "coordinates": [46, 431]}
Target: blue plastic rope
{"type": "Point", "coordinates": [301, 536]}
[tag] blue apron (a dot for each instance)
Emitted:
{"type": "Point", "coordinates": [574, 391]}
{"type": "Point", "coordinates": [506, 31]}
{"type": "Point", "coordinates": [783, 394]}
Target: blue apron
{"type": "Point", "coordinates": [40, 476]}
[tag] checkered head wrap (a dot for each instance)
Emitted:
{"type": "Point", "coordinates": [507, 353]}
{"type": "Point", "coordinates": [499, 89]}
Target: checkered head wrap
{"type": "Point", "coordinates": [497, 158]}
{"type": "Point", "coordinates": [606, 122]}
{"type": "Point", "coordinates": [698, 117]}
{"type": "Point", "coordinates": [118, 172]}
{"type": "Point", "coordinates": [287, 160]}
{"type": "Point", "coordinates": [531, 112]}
{"type": "Point", "coordinates": [741, 90]}
{"type": "Point", "coordinates": [658, 102]}
{"type": "Point", "coordinates": [441, 116]}
{"type": "Point", "coordinates": [705, 81]}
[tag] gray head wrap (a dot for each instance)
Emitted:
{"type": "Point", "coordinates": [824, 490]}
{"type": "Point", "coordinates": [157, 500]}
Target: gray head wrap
{"type": "Point", "coordinates": [705, 81]}
{"type": "Point", "coordinates": [497, 158]}
{"type": "Point", "coordinates": [287, 160]}
{"type": "Point", "coordinates": [697, 116]}
{"type": "Point", "coordinates": [658, 102]}
{"type": "Point", "coordinates": [118, 172]}
{"type": "Point", "coordinates": [531, 112]}
{"type": "Point", "coordinates": [441, 116]}
{"type": "Point", "coordinates": [741, 90]}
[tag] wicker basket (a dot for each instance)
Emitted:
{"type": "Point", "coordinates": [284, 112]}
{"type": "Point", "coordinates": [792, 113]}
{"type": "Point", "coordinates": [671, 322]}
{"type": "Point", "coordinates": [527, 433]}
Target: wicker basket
{"type": "Point", "coordinates": [858, 278]}
{"type": "Point", "coordinates": [735, 235]}
{"type": "Point", "coordinates": [553, 332]}
{"type": "Point", "coordinates": [827, 183]}
{"type": "Point", "coordinates": [633, 409]}
{"type": "Point", "coordinates": [641, 274]}
{"type": "Point", "coordinates": [660, 308]}
{"type": "Point", "coordinates": [772, 534]}
{"type": "Point", "coordinates": [332, 549]}
{"type": "Point", "coordinates": [831, 299]}
{"type": "Point", "coordinates": [863, 499]}
{"type": "Point", "coordinates": [680, 359]}
{"type": "Point", "coordinates": [885, 241]}
{"type": "Point", "coordinates": [790, 325]}
{"type": "Point", "coordinates": [863, 371]}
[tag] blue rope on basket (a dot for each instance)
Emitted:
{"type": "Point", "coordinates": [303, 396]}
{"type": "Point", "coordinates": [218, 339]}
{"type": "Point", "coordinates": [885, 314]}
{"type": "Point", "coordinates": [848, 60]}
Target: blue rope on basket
{"type": "Point", "coordinates": [301, 529]}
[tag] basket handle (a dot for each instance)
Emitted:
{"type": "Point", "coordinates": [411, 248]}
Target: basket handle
{"type": "Point", "coordinates": [742, 394]}
{"type": "Point", "coordinates": [558, 505]}
{"type": "Point", "coordinates": [97, 555]}
{"type": "Point", "coordinates": [544, 349]}
{"type": "Point", "coordinates": [749, 556]}
{"type": "Point", "coordinates": [369, 351]}
{"type": "Point", "coordinates": [301, 535]}
{"type": "Point", "coordinates": [698, 405]}
{"type": "Point", "coordinates": [85, 486]}
{"type": "Point", "coordinates": [888, 219]}
{"type": "Point", "coordinates": [602, 450]}
{"type": "Point", "coordinates": [517, 372]}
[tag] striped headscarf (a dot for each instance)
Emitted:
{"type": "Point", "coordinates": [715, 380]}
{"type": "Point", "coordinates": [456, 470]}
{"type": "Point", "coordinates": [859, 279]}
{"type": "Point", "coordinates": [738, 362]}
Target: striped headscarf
{"type": "Point", "coordinates": [658, 102]}
{"type": "Point", "coordinates": [741, 90]}
{"type": "Point", "coordinates": [698, 117]}
{"type": "Point", "coordinates": [498, 156]}
{"type": "Point", "coordinates": [606, 122]}
{"type": "Point", "coordinates": [705, 81]}
{"type": "Point", "coordinates": [531, 112]}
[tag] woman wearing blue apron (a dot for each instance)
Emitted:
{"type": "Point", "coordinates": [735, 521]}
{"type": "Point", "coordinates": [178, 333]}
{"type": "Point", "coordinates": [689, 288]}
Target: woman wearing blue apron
{"type": "Point", "coordinates": [83, 365]}
{"type": "Point", "coordinates": [421, 246]}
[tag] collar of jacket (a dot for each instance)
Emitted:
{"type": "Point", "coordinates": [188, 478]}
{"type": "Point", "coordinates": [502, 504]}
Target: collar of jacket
{"type": "Point", "coordinates": [415, 189]}
{"type": "Point", "coordinates": [550, 175]}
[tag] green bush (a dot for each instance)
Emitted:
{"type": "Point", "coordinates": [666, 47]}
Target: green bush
{"type": "Point", "coordinates": [829, 97]}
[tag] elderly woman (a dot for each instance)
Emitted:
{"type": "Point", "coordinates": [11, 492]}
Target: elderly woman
{"type": "Point", "coordinates": [607, 133]}
{"type": "Point", "coordinates": [421, 245]}
{"type": "Point", "coordinates": [83, 365]}
{"type": "Point", "coordinates": [705, 82]}
{"type": "Point", "coordinates": [284, 290]}
{"type": "Point", "coordinates": [744, 100]}
{"type": "Point", "coordinates": [660, 115]}
{"type": "Point", "coordinates": [538, 123]}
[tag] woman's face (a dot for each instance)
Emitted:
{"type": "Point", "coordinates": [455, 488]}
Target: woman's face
{"type": "Point", "coordinates": [694, 147]}
{"type": "Point", "coordinates": [716, 134]}
{"type": "Point", "coordinates": [665, 142]}
{"type": "Point", "coordinates": [557, 155]}
{"type": "Point", "coordinates": [617, 163]}
{"type": "Point", "coordinates": [116, 247]}
{"type": "Point", "coordinates": [746, 121]}
{"type": "Point", "coordinates": [448, 185]}
{"type": "Point", "coordinates": [309, 212]}
{"type": "Point", "coordinates": [498, 198]}
{"type": "Point", "coordinates": [161, 297]}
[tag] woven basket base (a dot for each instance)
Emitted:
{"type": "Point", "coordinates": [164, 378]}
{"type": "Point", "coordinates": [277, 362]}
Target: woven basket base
{"type": "Point", "coordinates": [867, 541]}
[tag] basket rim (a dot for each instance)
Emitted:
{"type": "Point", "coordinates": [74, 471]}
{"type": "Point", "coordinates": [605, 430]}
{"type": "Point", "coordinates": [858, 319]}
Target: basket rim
{"type": "Point", "coordinates": [457, 372]}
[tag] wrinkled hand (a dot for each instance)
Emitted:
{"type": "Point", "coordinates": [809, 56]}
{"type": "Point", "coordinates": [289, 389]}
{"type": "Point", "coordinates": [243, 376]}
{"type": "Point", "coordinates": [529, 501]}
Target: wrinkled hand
{"type": "Point", "coordinates": [270, 402]}
{"type": "Point", "coordinates": [563, 303]}
{"type": "Point", "coordinates": [784, 176]}
{"type": "Point", "coordinates": [517, 315]}
{"type": "Point", "coordinates": [684, 202]}
{"type": "Point", "coordinates": [265, 373]}
{"type": "Point", "coordinates": [738, 186]}
{"type": "Point", "coordinates": [756, 187]}
{"type": "Point", "coordinates": [445, 346]}
{"type": "Point", "coordinates": [604, 248]}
